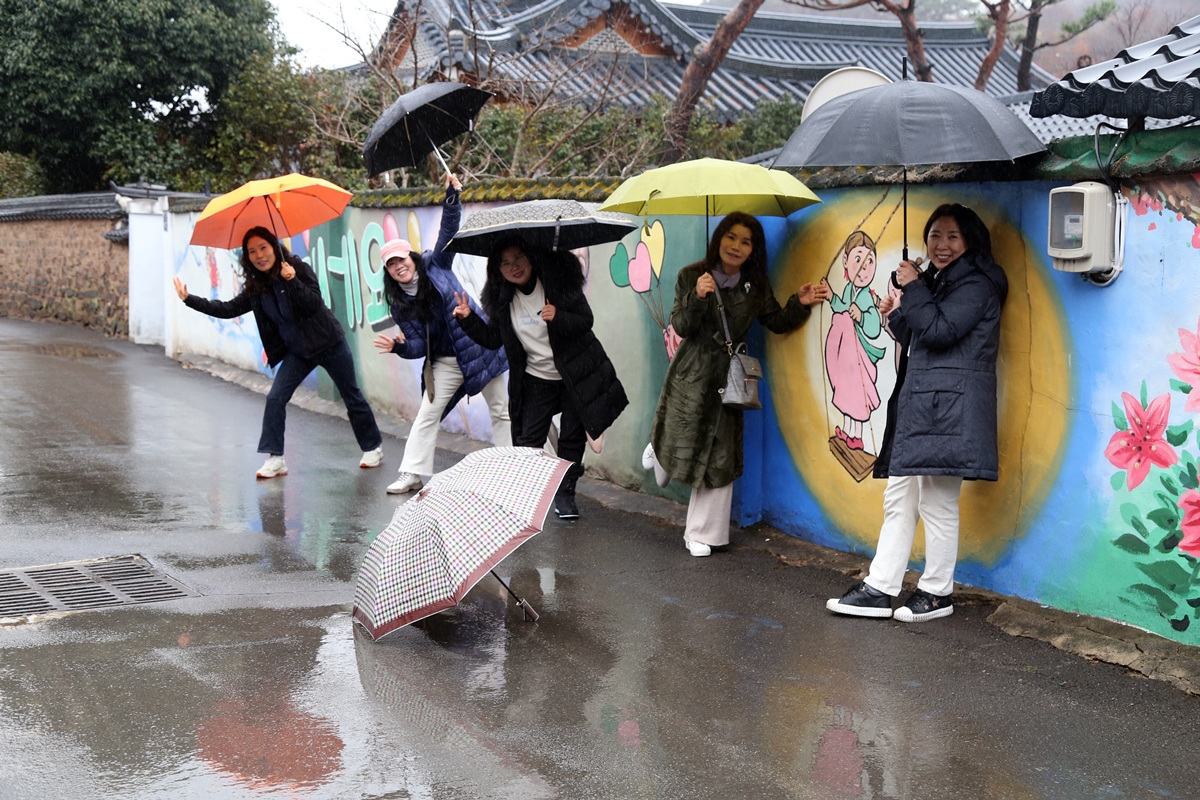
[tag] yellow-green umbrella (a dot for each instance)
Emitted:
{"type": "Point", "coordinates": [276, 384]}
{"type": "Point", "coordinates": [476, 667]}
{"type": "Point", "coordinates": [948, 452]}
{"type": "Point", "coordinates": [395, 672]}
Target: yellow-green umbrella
{"type": "Point", "coordinates": [712, 187]}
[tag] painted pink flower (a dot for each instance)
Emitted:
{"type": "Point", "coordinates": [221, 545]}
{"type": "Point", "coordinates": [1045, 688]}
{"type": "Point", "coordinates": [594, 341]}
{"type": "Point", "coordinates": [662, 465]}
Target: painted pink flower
{"type": "Point", "coordinates": [1135, 449]}
{"type": "Point", "coordinates": [1186, 365]}
{"type": "Point", "coordinates": [1190, 525]}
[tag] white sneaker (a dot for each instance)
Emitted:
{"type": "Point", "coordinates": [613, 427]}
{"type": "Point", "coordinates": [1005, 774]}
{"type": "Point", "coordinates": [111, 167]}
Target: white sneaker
{"type": "Point", "coordinates": [698, 549]}
{"type": "Point", "coordinates": [648, 457]}
{"type": "Point", "coordinates": [272, 467]}
{"type": "Point", "coordinates": [407, 482]}
{"type": "Point", "coordinates": [372, 458]}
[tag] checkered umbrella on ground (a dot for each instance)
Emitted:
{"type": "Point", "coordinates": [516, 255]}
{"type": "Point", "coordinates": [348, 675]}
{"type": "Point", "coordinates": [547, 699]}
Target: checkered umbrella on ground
{"type": "Point", "coordinates": [443, 541]}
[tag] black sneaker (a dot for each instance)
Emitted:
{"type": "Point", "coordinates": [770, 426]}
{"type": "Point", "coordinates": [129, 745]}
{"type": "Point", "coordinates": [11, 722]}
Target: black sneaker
{"type": "Point", "coordinates": [923, 606]}
{"type": "Point", "coordinates": [564, 506]}
{"type": "Point", "coordinates": [862, 601]}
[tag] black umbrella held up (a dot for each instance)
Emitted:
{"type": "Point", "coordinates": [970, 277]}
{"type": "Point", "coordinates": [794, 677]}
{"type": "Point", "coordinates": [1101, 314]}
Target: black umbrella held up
{"type": "Point", "coordinates": [549, 224]}
{"type": "Point", "coordinates": [418, 122]}
{"type": "Point", "coordinates": [908, 123]}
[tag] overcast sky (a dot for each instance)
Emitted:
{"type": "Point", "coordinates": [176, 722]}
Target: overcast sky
{"type": "Point", "coordinates": [300, 21]}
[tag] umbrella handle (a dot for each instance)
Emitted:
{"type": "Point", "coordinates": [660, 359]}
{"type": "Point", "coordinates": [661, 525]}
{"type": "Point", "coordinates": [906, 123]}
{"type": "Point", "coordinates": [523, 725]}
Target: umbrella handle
{"type": "Point", "coordinates": [526, 609]}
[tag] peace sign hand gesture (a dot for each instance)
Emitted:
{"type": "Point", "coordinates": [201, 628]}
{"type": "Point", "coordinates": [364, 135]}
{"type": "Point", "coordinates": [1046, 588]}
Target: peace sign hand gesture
{"type": "Point", "coordinates": [463, 309]}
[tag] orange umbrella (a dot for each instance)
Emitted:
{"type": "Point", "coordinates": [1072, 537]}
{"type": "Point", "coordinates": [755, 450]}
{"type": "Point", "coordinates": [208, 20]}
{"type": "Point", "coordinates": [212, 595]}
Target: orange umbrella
{"type": "Point", "coordinates": [286, 205]}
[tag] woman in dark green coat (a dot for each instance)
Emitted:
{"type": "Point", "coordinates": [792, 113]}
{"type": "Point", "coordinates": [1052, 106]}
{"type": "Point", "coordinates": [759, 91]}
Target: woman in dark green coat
{"type": "Point", "coordinates": [696, 439]}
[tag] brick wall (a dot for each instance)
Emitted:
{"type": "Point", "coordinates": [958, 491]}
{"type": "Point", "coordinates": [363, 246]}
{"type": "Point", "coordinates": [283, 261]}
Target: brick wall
{"type": "Point", "coordinates": [65, 270]}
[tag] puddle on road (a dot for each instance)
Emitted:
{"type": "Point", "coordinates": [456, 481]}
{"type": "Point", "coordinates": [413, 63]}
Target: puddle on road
{"type": "Point", "coordinates": [75, 352]}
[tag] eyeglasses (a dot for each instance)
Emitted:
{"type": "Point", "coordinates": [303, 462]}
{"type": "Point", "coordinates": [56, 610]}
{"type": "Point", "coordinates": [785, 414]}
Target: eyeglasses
{"type": "Point", "coordinates": [519, 260]}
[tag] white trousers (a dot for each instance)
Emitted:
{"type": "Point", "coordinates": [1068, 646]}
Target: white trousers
{"type": "Point", "coordinates": [933, 498]}
{"type": "Point", "coordinates": [708, 515]}
{"type": "Point", "coordinates": [422, 439]}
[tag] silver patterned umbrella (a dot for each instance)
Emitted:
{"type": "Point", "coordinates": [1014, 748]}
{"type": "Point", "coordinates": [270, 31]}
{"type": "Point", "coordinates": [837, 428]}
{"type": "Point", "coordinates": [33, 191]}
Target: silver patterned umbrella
{"type": "Point", "coordinates": [548, 224]}
{"type": "Point", "coordinates": [443, 541]}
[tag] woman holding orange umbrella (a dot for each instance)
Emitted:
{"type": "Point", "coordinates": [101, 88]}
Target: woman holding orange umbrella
{"type": "Point", "coordinates": [299, 333]}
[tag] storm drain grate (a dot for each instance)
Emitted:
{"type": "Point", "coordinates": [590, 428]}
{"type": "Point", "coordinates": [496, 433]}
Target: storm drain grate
{"type": "Point", "coordinates": [83, 585]}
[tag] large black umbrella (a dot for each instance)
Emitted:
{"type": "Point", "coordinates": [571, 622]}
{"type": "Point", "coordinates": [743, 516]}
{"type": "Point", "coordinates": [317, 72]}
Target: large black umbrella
{"type": "Point", "coordinates": [549, 224]}
{"type": "Point", "coordinates": [418, 122]}
{"type": "Point", "coordinates": [908, 123]}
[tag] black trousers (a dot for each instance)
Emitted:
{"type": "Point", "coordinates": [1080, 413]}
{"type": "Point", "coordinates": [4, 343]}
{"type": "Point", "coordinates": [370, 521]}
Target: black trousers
{"type": "Point", "coordinates": [540, 401]}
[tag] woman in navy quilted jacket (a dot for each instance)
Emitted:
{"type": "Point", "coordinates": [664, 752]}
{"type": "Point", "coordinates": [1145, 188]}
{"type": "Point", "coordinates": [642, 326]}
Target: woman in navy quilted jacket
{"type": "Point", "coordinates": [421, 290]}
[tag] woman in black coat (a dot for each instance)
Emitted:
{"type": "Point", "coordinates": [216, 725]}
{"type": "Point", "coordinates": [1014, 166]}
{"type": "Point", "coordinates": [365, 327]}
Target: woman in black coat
{"type": "Point", "coordinates": [941, 426]}
{"type": "Point", "coordinates": [299, 333]}
{"type": "Point", "coordinates": [537, 311]}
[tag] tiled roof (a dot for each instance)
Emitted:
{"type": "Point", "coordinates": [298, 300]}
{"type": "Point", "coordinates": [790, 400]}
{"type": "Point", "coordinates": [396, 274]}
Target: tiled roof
{"type": "Point", "coordinates": [777, 56]}
{"type": "Point", "coordinates": [1159, 78]}
{"type": "Point", "coordinates": [93, 205]}
{"type": "Point", "coordinates": [1055, 127]}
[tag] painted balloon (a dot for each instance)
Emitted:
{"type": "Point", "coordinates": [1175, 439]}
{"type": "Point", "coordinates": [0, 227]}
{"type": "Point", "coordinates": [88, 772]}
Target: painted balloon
{"type": "Point", "coordinates": [390, 229]}
{"type": "Point", "coordinates": [618, 266]}
{"type": "Point", "coordinates": [640, 269]}
{"type": "Point", "coordinates": [414, 232]}
{"type": "Point", "coordinates": [655, 239]}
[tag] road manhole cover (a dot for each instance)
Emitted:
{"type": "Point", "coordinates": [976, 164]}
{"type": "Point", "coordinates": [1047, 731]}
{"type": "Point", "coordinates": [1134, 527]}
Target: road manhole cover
{"type": "Point", "coordinates": [85, 585]}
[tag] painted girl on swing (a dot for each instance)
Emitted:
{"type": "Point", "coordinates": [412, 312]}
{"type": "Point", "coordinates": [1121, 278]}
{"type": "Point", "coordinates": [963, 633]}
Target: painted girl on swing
{"type": "Point", "coordinates": [850, 357]}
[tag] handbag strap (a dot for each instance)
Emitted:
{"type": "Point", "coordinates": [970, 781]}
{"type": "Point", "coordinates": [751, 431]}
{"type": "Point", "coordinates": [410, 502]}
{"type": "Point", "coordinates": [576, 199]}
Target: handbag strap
{"type": "Point", "coordinates": [724, 323]}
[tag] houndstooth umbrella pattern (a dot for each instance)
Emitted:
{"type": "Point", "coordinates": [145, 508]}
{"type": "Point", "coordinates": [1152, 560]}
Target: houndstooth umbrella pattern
{"type": "Point", "coordinates": [441, 542]}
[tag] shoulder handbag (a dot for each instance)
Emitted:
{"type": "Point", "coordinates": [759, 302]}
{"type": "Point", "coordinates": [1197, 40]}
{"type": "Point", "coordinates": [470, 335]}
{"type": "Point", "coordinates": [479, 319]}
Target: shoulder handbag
{"type": "Point", "coordinates": [427, 369]}
{"type": "Point", "coordinates": [741, 385]}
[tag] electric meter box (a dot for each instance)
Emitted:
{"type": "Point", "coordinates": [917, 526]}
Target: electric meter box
{"type": "Point", "coordinates": [1081, 227]}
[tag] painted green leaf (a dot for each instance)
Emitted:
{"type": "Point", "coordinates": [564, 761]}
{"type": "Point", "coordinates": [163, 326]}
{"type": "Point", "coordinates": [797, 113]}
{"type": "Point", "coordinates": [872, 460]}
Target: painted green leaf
{"type": "Point", "coordinates": [1187, 477]}
{"type": "Point", "coordinates": [1180, 386]}
{"type": "Point", "coordinates": [1117, 481]}
{"type": "Point", "coordinates": [1132, 544]}
{"type": "Point", "coordinates": [1194, 602]}
{"type": "Point", "coordinates": [1181, 624]}
{"type": "Point", "coordinates": [1171, 485]}
{"type": "Point", "coordinates": [1129, 511]}
{"type": "Point", "coordinates": [1168, 575]}
{"type": "Point", "coordinates": [1143, 395]}
{"type": "Point", "coordinates": [1166, 502]}
{"type": "Point", "coordinates": [1163, 518]}
{"type": "Point", "coordinates": [1169, 543]}
{"type": "Point", "coordinates": [1166, 605]}
{"type": "Point", "coordinates": [1140, 527]}
{"type": "Point", "coordinates": [1119, 418]}
{"type": "Point", "coordinates": [1178, 434]}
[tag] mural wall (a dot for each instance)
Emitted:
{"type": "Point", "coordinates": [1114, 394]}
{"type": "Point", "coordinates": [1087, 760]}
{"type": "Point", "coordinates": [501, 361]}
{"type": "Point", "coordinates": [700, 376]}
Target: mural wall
{"type": "Point", "coordinates": [1097, 508]}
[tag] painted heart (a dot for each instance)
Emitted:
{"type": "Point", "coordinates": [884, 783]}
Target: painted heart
{"type": "Point", "coordinates": [655, 239]}
{"type": "Point", "coordinates": [618, 266]}
{"type": "Point", "coordinates": [640, 270]}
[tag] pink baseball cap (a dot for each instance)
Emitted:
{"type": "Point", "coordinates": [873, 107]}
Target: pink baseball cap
{"type": "Point", "coordinates": [396, 248]}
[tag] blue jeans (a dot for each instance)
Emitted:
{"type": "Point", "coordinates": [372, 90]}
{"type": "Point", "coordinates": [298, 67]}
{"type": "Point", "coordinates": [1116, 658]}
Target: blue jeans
{"type": "Point", "coordinates": [339, 363]}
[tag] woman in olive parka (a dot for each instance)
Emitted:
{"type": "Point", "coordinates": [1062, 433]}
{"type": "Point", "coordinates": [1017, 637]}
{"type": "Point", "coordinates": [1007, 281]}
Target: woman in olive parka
{"type": "Point", "coordinates": [695, 438]}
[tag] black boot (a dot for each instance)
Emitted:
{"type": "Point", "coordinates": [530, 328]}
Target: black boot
{"type": "Point", "coordinates": [564, 498]}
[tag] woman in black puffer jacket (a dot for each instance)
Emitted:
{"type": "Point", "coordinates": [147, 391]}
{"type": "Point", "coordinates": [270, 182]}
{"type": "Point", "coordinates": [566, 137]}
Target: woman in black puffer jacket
{"type": "Point", "coordinates": [299, 333]}
{"type": "Point", "coordinates": [537, 311]}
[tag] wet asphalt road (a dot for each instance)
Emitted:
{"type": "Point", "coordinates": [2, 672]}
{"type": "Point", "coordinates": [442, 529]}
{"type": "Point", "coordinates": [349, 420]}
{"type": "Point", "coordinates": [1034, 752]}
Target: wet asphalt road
{"type": "Point", "coordinates": [651, 674]}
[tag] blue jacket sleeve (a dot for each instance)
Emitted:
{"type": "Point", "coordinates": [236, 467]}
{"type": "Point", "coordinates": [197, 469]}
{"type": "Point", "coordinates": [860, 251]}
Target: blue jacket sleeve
{"type": "Point", "coordinates": [940, 324]}
{"type": "Point", "coordinates": [451, 217]}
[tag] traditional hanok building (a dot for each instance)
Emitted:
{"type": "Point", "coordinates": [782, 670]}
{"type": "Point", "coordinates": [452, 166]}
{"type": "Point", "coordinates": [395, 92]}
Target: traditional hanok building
{"type": "Point", "coordinates": [637, 50]}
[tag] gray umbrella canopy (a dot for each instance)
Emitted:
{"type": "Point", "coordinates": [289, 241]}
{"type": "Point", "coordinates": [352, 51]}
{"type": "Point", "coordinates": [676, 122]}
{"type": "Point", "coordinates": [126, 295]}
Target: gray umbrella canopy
{"type": "Point", "coordinates": [418, 122]}
{"type": "Point", "coordinates": [907, 123]}
{"type": "Point", "coordinates": [565, 224]}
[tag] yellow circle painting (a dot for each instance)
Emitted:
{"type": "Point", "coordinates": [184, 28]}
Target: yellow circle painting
{"type": "Point", "coordinates": [830, 380]}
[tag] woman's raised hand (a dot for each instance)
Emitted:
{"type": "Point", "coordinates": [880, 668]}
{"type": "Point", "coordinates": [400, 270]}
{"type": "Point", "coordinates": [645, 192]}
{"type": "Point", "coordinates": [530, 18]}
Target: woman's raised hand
{"type": "Point", "coordinates": [887, 304]}
{"type": "Point", "coordinates": [181, 288]}
{"type": "Point", "coordinates": [907, 271]}
{"type": "Point", "coordinates": [463, 309]}
{"type": "Point", "coordinates": [705, 286]}
{"type": "Point", "coordinates": [547, 313]}
{"type": "Point", "coordinates": [810, 294]}
{"type": "Point", "coordinates": [384, 344]}
{"type": "Point", "coordinates": [452, 180]}
{"type": "Point", "coordinates": [287, 271]}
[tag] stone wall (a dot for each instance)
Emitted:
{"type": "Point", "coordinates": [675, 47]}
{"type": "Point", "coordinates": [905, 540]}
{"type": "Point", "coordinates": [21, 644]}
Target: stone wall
{"type": "Point", "coordinates": [65, 270]}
